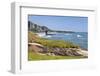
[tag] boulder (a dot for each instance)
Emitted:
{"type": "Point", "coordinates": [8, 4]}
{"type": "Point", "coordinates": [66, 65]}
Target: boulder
{"type": "Point", "coordinates": [37, 48]}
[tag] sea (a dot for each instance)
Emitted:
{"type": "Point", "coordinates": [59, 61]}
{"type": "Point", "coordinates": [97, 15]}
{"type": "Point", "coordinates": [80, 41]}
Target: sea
{"type": "Point", "coordinates": [79, 38]}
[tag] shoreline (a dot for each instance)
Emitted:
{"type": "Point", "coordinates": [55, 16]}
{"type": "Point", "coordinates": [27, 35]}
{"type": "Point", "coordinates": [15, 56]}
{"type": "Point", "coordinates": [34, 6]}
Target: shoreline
{"type": "Point", "coordinates": [43, 35]}
{"type": "Point", "coordinates": [42, 48]}
{"type": "Point", "coordinates": [58, 51]}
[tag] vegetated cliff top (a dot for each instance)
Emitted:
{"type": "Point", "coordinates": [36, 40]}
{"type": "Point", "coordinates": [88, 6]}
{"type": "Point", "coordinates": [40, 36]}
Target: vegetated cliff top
{"type": "Point", "coordinates": [39, 28]}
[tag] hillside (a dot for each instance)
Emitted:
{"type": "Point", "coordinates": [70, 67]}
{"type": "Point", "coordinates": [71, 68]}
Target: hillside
{"type": "Point", "coordinates": [45, 49]}
{"type": "Point", "coordinates": [39, 28]}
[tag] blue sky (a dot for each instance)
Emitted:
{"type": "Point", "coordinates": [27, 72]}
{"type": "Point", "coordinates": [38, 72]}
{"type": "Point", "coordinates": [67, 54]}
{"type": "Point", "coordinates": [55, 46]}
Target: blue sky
{"type": "Point", "coordinates": [65, 23]}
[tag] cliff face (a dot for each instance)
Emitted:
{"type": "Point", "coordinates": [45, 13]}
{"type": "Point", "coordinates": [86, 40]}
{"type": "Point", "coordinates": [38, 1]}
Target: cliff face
{"type": "Point", "coordinates": [37, 28]}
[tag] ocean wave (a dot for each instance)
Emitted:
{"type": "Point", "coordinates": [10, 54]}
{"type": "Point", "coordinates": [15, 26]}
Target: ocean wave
{"type": "Point", "coordinates": [67, 34]}
{"type": "Point", "coordinates": [48, 36]}
{"type": "Point", "coordinates": [41, 34]}
{"type": "Point", "coordinates": [79, 36]}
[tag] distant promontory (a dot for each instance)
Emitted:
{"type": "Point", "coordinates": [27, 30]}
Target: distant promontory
{"type": "Point", "coordinates": [39, 28]}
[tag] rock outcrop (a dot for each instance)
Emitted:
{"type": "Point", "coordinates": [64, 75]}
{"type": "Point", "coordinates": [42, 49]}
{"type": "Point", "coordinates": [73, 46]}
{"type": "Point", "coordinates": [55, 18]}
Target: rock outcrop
{"type": "Point", "coordinates": [58, 51]}
{"type": "Point", "coordinates": [40, 28]}
{"type": "Point", "coordinates": [37, 28]}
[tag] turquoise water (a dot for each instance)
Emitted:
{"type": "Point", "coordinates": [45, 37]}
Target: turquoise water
{"type": "Point", "coordinates": [79, 38]}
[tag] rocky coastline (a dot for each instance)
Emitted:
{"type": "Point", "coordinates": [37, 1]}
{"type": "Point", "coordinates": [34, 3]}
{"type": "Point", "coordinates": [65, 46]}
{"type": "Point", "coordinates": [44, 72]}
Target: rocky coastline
{"type": "Point", "coordinates": [43, 50]}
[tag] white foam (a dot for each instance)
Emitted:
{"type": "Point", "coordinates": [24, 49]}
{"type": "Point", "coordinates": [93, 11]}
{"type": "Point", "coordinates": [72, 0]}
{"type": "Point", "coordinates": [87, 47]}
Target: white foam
{"type": "Point", "coordinates": [67, 34]}
{"type": "Point", "coordinates": [48, 36]}
{"type": "Point", "coordinates": [41, 34]}
{"type": "Point", "coordinates": [79, 36]}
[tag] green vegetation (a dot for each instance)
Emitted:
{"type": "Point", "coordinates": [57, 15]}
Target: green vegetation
{"type": "Point", "coordinates": [32, 37]}
{"type": "Point", "coordinates": [34, 56]}
{"type": "Point", "coordinates": [50, 43]}
{"type": "Point", "coordinates": [56, 43]}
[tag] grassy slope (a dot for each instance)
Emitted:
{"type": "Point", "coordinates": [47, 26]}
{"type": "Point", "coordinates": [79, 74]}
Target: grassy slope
{"type": "Point", "coordinates": [34, 56]}
{"type": "Point", "coordinates": [32, 37]}
{"type": "Point", "coordinates": [56, 43]}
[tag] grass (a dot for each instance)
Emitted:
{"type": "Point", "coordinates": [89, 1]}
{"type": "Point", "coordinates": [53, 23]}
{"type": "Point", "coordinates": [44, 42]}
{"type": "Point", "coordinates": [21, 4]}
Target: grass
{"type": "Point", "coordinates": [34, 56]}
{"type": "Point", "coordinates": [56, 43]}
{"type": "Point", "coordinates": [32, 37]}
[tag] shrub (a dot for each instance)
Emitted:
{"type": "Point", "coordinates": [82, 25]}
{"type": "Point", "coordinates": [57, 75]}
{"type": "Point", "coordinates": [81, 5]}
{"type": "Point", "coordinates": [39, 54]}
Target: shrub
{"type": "Point", "coordinates": [32, 37]}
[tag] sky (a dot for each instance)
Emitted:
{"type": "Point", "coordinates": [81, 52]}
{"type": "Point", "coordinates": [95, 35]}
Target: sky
{"type": "Point", "coordinates": [63, 23]}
